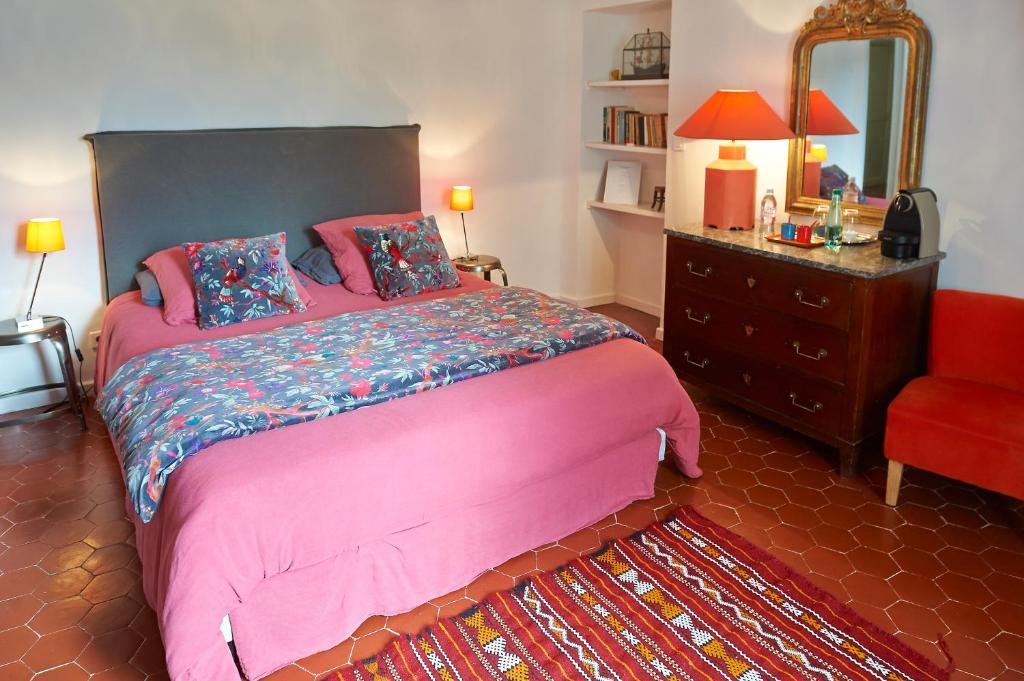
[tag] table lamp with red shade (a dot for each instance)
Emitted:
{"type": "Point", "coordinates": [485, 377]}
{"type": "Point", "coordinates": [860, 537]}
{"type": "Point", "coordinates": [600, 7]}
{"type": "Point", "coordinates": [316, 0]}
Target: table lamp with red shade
{"type": "Point", "coordinates": [730, 182]}
{"type": "Point", "coordinates": [823, 118]}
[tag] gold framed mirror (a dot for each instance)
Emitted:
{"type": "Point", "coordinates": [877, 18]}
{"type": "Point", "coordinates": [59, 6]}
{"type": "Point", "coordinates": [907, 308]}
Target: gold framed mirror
{"type": "Point", "coordinates": [860, 92]}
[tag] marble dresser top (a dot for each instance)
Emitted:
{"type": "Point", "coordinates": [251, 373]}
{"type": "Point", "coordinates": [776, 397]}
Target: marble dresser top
{"type": "Point", "coordinates": [861, 261]}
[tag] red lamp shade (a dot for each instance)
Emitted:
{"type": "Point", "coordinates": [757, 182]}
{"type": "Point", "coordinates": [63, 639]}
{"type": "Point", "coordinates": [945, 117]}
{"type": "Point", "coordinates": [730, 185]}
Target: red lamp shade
{"type": "Point", "coordinates": [825, 118]}
{"type": "Point", "coordinates": [730, 182]}
{"type": "Point", "coordinates": [735, 115]}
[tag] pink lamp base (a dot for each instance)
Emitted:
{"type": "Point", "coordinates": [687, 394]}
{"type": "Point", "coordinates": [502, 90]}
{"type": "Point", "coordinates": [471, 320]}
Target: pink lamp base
{"type": "Point", "coordinates": [730, 185]}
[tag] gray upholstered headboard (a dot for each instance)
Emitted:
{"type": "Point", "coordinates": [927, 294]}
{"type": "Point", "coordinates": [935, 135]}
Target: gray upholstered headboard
{"type": "Point", "coordinates": [159, 189]}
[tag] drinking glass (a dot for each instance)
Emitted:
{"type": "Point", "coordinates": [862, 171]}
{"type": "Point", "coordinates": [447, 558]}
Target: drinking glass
{"type": "Point", "coordinates": [820, 220]}
{"type": "Point", "coordinates": [850, 217]}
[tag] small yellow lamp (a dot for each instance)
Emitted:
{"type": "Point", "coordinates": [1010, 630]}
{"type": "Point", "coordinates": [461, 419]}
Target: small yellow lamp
{"type": "Point", "coordinates": [44, 235]}
{"type": "Point", "coordinates": [462, 200]}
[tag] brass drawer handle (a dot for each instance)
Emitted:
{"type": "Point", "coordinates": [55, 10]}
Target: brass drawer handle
{"type": "Point", "coordinates": [800, 298]}
{"type": "Point", "coordinates": [751, 282]}
{"type": "Point", "coordinates": [703, 364]}
{"type": "Point", "coordinates": [700, 320]}
{"type": "Point", "coordinates": [821, 354]}
{"type": "Point", "coordinates": [747, 378]}
{"type": "Point", "coordinates": [814, 408]}
{"type": "Point", "coordinates": [707, 270]}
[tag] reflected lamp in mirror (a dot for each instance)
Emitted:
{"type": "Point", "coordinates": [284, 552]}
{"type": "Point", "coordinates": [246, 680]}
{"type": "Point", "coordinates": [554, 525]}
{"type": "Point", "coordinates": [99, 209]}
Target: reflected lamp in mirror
{"type": "Point", "coordinates": [42, 235]}
{"type": "Point", "coordinates": [823, 118]}
{"type": "Point", "coordinates": [730, 182]}
{"type": "Point", "coordinates": [462, 200]}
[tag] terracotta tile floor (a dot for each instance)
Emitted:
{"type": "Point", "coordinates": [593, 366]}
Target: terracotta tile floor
{"type": "Point", "coordinates": [949, 561]}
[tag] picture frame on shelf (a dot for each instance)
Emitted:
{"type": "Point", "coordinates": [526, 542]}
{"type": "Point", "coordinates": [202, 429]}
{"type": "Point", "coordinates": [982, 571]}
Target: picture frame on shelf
{"type": "Point", "coordinates": [622, 182]}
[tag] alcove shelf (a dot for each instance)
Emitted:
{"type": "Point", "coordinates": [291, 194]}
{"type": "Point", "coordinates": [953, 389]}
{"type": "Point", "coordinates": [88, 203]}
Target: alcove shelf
{"type": "Point", "coordinates": [659, 82]}
{"type": "Point", "coordinates": [626, 208]}
{"type": "Point", "coordinates": [621, 246]}
{"type": "Point", "coordinates": [627, 148]}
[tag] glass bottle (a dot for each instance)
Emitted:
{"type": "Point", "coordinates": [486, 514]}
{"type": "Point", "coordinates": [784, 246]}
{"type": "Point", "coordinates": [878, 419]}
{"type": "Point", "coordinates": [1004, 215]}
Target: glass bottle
{"type": "Point", "coordinates": [768, 209]}
{"type": "Point", "coordinates": [834, 223]}
{"type": "Point", "coordinates": [851, 192]}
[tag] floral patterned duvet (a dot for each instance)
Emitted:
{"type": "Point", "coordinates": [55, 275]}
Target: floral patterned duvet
{"type": "Point", "coordinates": [166, 405]}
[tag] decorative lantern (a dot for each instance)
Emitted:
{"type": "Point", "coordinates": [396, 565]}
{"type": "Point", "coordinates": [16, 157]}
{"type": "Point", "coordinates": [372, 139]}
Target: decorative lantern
{"type": "Point", "coordinates": [645, 56]}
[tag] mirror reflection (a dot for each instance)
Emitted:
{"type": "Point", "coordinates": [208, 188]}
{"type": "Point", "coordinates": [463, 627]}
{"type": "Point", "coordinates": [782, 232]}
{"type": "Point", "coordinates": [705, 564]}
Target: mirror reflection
{"type": "Point", "coordinates": [854, 119]}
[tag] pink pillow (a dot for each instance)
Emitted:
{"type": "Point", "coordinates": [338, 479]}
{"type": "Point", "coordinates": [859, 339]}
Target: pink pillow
{"type": "Point", "coordinates": [349, 258]}
{"type": "Point", "coordinates": [173, 276]}
{"type": "Point", "coordinates": [170, 267]}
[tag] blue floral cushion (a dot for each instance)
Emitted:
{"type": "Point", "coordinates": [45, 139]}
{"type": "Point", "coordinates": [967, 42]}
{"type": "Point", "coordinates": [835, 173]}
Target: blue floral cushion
{"type": "Point", "coordinates": [241, 279]}
{"type": "Point", "coordinates": [407, 258]}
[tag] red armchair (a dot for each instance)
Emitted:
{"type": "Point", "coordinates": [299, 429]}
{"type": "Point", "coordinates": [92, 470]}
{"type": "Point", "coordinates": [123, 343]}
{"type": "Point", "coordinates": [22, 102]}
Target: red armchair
{"type": "Point", "coordinates": [965, 419]}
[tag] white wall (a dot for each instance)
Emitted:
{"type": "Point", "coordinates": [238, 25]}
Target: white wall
{"type": "Point", "coordinates": [487, 81]}
{"type": "Point", "coordinates": [496, 86]}
{"type": "Point", "coordinates": [973, 151]}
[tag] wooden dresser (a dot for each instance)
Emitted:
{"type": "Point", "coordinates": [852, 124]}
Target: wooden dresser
{"type": "Point", "coordinates": [816, 341]}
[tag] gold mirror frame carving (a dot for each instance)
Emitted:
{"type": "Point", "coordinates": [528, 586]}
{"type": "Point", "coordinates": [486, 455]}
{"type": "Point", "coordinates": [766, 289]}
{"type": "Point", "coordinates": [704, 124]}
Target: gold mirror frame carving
{"type": "Point", "coordinates": [862, 20]}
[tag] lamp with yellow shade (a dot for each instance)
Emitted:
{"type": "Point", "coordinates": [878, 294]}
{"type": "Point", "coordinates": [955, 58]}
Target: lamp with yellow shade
{"type": "Point", "coordinates": [462, 200]}
{"type": "Point", "coordinates": [43, 235]}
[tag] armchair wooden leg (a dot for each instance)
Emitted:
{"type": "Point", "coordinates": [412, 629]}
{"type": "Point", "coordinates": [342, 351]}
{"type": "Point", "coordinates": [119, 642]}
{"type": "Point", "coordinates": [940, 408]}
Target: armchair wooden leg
{"type": "Point", "coordinates": [892, 484]}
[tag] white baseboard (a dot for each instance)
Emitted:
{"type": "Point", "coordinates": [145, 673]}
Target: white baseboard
{"type": "Point", "coordinates": [590, 301]}
{"type": "Point", "coordinates": [638, 304]}
{"type": "Point", "coordinates": [606, 298]}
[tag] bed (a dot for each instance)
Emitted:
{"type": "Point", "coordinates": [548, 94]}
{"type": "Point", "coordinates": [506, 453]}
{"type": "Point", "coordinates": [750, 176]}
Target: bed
{"type": "Point", "coordinates": [294, 536]}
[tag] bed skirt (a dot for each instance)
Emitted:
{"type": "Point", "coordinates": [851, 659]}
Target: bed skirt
{"type": "Point", "coordinates": [301, 612]}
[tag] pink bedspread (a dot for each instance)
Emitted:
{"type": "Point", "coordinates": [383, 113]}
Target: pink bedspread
{"type": "Point", "coordinates": [300, 533]}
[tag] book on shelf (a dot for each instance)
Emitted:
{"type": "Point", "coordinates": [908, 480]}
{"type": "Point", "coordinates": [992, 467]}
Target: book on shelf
{"type": "Point", "coordinates": [625, 125]}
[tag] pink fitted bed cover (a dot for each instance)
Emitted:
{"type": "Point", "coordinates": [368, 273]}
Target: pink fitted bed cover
{"type": "Point", "coordinates": [300, 533]}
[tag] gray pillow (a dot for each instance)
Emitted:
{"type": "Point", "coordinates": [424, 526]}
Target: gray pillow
{"type": "Point", "coordinates": [317, 264]}
{"type": "Point", "coordinates": [150, 288]}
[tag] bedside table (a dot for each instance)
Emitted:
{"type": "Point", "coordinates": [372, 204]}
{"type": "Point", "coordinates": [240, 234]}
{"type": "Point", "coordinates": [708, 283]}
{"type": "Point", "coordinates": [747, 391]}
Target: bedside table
{"type": "Point", "coordinates": [482, 263]}
{"type": "Point", "coordinates": [55, 331]}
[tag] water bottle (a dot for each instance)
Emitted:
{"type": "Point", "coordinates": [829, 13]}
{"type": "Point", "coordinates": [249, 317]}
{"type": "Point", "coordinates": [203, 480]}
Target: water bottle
{"type": "Point", "coordinates": [768, 207]}
{"type": "Point", "coordinates": [851, 192]}
{"type": "Point", "coordinates": [834, 223]}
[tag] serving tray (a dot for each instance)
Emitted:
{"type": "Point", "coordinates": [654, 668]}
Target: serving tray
{"type": "Point", "coordinates": [859, 238]}
{"type": "Point", "coordinates": [816, 241]}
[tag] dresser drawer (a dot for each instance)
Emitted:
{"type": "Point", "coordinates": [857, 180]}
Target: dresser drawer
{"type": "Point", "coordinates": [765, 335]}
{"type": "Point", "coordinates": [817, 404]}
{"type": "Point", "coordinates": [801, 291]}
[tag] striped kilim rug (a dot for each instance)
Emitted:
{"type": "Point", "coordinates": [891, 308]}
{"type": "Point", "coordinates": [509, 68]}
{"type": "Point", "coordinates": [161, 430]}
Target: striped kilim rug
{"type": "Point", "coordinates": [683, 599]}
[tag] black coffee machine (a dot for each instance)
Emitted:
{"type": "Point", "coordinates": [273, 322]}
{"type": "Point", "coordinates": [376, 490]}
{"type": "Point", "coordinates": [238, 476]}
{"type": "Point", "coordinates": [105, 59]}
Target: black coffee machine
{"type": "Point", "coordinates": [911, 227]}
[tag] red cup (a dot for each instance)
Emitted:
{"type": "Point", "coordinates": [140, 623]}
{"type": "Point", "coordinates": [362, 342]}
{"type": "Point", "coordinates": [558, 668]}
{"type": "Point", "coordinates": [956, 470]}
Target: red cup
{"type": "Point", "coordinates": [803, 233]}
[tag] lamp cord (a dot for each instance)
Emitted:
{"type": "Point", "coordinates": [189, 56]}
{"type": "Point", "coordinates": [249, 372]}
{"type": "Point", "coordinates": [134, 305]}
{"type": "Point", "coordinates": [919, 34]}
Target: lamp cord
{"type": "Point", "coordinates": [78, 354]}
{"type": "Point", "coordinates": [39, 276]}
